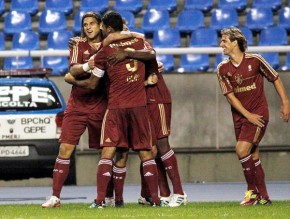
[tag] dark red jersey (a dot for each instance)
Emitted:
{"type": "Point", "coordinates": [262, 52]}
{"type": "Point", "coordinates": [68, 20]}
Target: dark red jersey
{"type": "Point", "coordinates": [125, 80]}
{"type": "Point", "coordinates": [81, 99]}
{"type": "Point", "coordinates": [158, 93]}
{"type": "Point", "coordinates": [247, 83]}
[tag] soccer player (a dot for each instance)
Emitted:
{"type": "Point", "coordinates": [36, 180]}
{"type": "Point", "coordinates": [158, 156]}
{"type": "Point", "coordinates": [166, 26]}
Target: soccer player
{"type": "Point", "coordinates": [85, 107]}
{"type": "Point", "coordinates": [126, 122]}
{"type": "Point", "coordinates": [241, 79]}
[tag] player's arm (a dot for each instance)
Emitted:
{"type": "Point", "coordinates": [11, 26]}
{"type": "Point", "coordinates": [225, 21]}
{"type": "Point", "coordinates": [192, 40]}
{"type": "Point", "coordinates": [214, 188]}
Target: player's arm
{"type": "Point", "coordinates": [151, 80]}
{"type": "Point", "coordinates": [78, 69]}
{"type": "Point", "coordinates": [285, 107]}
{"type": "Point", "coordinates": [253, 118]}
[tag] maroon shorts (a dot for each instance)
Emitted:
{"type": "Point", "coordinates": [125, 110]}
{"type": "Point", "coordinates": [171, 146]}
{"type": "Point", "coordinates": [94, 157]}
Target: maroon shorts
{"type": "Point", "coordinates": [74, 125]}
{"type": "Point", "coordinates": [246, 131]}
{"type": "Point", "coordinates": [160, 115]}
{"type": "Point", "coordinates": [125, 128]}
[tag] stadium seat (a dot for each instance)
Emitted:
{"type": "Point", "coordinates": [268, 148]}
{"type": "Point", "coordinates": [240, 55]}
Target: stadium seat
{"type": "Point", "coordinates": [18, 63]}
{"type": "Point", "coordinates": [222, 18]}
{"type": "Point", "coordinates": [286, 67]}
{"type": "Point", "coordinates": [92, 5]}
{"type": "Point", "coordinates": [58, 39]}
{"type": "Point", "coordinates": [204, 37]}
{"type": "Point", "coordinates": [169, 5]}
{"type": "Point", "coordinates": [59, 65]}
{"type": "Point", "coordinates": [15, 22]}
{"type": "Point", "coordinates": [129, 17]}
{"type": "Point", "coordinates": [154, 20]}
{"type": "Point", "coordinates": [26, 40]}
{"type": "Point", "coordinates": [134, 6]}
{"type": "Point", "coordinates": [238, 5]}
{"type": "Point", "coordinates": [2, 41]}
{"type": "Point", "coordinates": [248, 34]}
{"type": "Point", "coordinates": [29, 6]}
{"type": "Point", "coordinates": [204, 5]}
{"type": "Point", "coordinates": [193, 63]}
{"type": "Point", "coordinates": [168, 62]}
{"type": "Point", "coordinates": [77, 22]}
{"type": "Point", "coordinates": [166, 38]}
{"type": "Point", "coordinates": [259, 18]}
{"type": "Point", "coordinates": [272, 58]}
{"type": "Point", "coordinates": [275, 5]}
{"type": "Point", "coordinates": [273, 36]}
{"type": "Point", "coordinates": [65, 6]}
{"type": "Point", "coordinates": [189, 20]}
{"type": "Point", "coordinates": [2, 7]}
{"type": "Point", "coordinates": [50, 21]}
{"type": "Point", "coordinates": [284, 18]}
{"type": "Point", "coordinates": [218, 59]}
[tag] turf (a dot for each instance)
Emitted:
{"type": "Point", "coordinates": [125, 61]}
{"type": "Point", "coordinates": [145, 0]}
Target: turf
{"type": "Point", "coordinates": [208, 210]}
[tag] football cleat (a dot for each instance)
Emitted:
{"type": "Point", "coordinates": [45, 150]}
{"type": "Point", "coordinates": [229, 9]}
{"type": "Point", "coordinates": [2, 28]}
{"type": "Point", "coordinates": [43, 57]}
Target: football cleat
{"type": "Point", "coordinates": [110, 202]}
{"type": "Point", "coordinates": [251, 198]}
{"type": "Point", "coordinates": [165, 200]}
{"type": "Point", "coordinates": [145, 201]}
{"type": "Point", "coordinates": [96, 205]}
{"type": "Point", "coordinates": [264, 201]}
{"type": "Point", "coordinates": [52, 202]}
{"type": "Point", "coordinates": [177, 200]}
{"type": "Point", "coordinates": [119, 204]}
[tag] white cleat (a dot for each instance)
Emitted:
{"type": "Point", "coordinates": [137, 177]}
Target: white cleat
{"type": "Point", "coordinates": [52, 202]}
{"type": "Point", "coordinates": [109, 202]}
{"type": "Point", "coordinates": [177, 200]}
{"type": "Point", "coordinates": [165, 200]}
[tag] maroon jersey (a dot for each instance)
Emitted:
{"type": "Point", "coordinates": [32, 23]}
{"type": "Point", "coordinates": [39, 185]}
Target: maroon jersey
{"type": "Point", "coordinates": [247, 83]}
{"type": "Point", "coordinates": [125, 80]}
{"type": "Point", "coordinates": [158, 93]}
{"type": "Point", "coordinates": [81, 99]}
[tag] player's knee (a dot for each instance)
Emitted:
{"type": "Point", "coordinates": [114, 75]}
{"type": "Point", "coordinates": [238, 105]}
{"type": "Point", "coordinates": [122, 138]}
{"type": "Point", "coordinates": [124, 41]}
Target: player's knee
{"type": "Point", "coordinates": [65, 150]}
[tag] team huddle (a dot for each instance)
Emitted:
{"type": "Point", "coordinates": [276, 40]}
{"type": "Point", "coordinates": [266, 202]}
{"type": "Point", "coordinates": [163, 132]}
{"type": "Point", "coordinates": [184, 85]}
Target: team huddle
{"type": "Point", "coordinates": [119, 95]}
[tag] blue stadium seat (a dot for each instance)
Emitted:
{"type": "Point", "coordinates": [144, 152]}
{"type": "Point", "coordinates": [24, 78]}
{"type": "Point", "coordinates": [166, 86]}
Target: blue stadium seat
{"type": "Point", "coordinates": [129, 17]}
{"type": "Point", "coordinates": [286, 67]}
{"type": "Point", "coordinates": [2, 41]}
{"type": "Point", "coordinates": [65, 6]}
{"type": "Point", "coordinates": [77, 22]}
{"type": "Point", "coordinates": [238, 5]}
{"type": "Point", "coordinates": [272, 58]}
{"type": "Point", "coordinates": [284, 18]}
{"type": "Point", "coordinates": [168, 62]}
{"type": "Point", "coordinates": [155, 19]}
{"type": "Point", "coordinates": [29, 6]}
{"type": "Point", "coordinates": [92, 5]}
{"type": "Point", "coordinates": [273, 36]}
{"type": "Point", "coordinates": [18, 63]}
{"type": "Point", "coordinates": [189, 20]}
{"type": "Point", "coordinates": [275, 5]}
{"type": "Point", "coordinates": [169, 5]}
{"type": "Point", "coordinates": [134, 6]}
{"type": "Point", "coordinates": [193, 63]}
{"type": "Point", "coordinates": [248, 34]}
{"type": "Point", "coordinates": [166, 38]}
{"type": "Point", "coordinates": [222, 18]}
{"type": "Point", "coordinates": [204, 5]}
{"type": "Point", "coordinates": [2, 7]}
{"type": "Point", "coordinates": [50, 21]}
{"type": "Point", "coordinates": [58, 39]}
{"type": "Point", "coordinates": [26, 40]}
{"type": "Point", "coordinates": [259, 18]}
{"type": "Point", "coordinates": [218, 59]}
{"type": "Point", "coordinates": [15, 22]}
{"type": "Point", "coordinates": [204, 37]}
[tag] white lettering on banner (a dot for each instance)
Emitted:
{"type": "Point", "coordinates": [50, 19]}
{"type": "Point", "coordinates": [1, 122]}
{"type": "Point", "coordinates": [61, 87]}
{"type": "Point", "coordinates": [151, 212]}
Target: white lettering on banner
{"type": "Point", "coordinates": [27, 121]}
{"type": "Point", "coordinates": [18, 104]}
{"type": "Point", "coordinates": [37, 129]}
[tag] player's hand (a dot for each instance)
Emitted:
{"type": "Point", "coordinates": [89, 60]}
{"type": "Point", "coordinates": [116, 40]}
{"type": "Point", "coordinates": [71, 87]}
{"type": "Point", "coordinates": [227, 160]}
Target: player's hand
{"type": "Point", "coordinates": [285, 112]}
{"type": "Point", "coordinates": [69, 78]}
{"type": "Point", "coordinates": [256, 120]}
{"type": "Point", "coordinates": [118, 56]}
{"type": "Point", "coordinates": [160, 66]}
{"type": "Point", "coordinates": [73, 41]}
{"type": "Point", "coordinates": [152, 79]}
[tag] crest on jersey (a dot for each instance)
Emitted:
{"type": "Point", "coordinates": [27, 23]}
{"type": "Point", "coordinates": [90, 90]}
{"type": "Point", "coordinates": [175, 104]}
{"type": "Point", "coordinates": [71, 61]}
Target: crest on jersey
{"type": "Point", "coordinates": [249, 68]}
{"type": "Point", "coordinates": [239, 79]}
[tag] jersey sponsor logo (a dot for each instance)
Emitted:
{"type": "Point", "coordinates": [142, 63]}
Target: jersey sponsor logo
{"type": "Point", "coordinates": [245, 88]}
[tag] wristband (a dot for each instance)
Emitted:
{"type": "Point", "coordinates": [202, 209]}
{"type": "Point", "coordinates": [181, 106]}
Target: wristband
{"type": "Point", "coordinates": [86, 67]}
{"type": "Point", "coordinates": [98, 72]}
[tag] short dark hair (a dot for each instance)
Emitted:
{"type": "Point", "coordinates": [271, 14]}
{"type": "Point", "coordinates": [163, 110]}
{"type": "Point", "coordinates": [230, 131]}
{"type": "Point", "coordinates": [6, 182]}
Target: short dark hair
{"type": "Point", "coordinates": [114, 20]}
{"type": "Point", "coordinates": [93, 15]}
{"type": "Point", "coordinates": [235, 33]}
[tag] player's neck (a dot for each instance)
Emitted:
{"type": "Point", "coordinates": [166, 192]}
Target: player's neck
{"type": "Point", "coordinates": [237, 58]}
